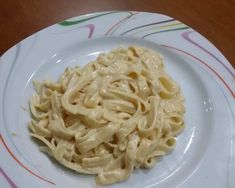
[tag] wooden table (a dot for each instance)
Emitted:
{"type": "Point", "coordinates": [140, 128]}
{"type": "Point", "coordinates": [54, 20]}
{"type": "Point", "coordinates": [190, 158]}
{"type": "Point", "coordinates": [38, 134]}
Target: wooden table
{"type": "Point", "coordinates": [214, 19]}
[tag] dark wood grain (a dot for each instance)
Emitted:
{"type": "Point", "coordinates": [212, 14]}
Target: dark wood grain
{"type": "Point", "coordinates": [215, 19]}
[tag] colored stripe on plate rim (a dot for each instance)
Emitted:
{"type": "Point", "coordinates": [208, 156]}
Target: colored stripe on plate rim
{"type": "Point", "coordinates": [87, 17]}
{"type": "Point", "coordinates": [21, 164]}
{"type": "Point", "coordinates": [186, 35]}
{"type": "Point", "coordinates": [204, 63]}
{"type": "Point", "coordinates": [10, 182]}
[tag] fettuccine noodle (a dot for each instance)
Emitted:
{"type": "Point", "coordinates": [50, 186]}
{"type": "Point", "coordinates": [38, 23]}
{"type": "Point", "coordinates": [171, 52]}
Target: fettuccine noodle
{"type": "Point", "coordinates": [117, 113]}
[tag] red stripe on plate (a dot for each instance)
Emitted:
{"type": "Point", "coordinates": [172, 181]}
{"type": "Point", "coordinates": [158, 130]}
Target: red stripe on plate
{"type": "Point", "coordinates": [21, 164]}
{"type": "Point", "coordinates": [202, 62]}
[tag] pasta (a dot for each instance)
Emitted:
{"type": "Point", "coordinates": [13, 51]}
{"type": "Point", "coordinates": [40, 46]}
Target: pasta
{"type": "Point", "coordinates": [119, 112]}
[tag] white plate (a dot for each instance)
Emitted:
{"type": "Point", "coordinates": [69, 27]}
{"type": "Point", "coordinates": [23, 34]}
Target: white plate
{"type": "Point", "coordinates": [205, 151]}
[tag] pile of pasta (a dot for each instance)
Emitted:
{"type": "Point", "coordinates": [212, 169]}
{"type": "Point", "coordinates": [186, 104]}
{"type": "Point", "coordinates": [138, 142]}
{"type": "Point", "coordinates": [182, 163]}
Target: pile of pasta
{"type": "Point", "coordinates": [117, 113]}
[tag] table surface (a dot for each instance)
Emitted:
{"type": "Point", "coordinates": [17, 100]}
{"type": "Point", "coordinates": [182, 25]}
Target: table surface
{"type": "Point", "coordinates": [215, 19]}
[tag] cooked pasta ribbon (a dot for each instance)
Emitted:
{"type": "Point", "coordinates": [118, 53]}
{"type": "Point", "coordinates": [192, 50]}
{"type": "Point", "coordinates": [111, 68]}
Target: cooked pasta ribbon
{"type": "Point", "coordinates": [119, 112]}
